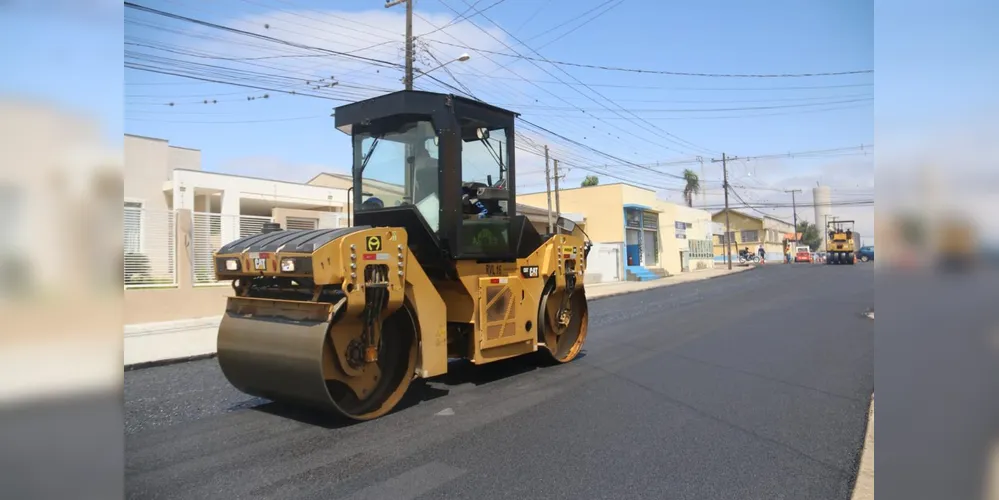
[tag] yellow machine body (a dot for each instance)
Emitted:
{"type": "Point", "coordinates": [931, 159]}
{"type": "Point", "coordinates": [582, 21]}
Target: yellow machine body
{"type": "Point", "coordinates": [438, 266]}
{"type": "Point", "coordinates": [840, 245]}
{"type": "Point", "coordinates": [299, 349]}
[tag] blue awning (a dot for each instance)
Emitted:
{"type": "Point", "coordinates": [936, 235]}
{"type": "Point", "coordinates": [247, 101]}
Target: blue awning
{"type": "Point", "coordinates": [634, 206]}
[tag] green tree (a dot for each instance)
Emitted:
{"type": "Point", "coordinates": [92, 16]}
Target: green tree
{"type": "Point", "coordinates": [590, 180]}
{"type": "Point", "coordinates": [810, 235]}
{"type": "Point", "coordinates": [693, 186]}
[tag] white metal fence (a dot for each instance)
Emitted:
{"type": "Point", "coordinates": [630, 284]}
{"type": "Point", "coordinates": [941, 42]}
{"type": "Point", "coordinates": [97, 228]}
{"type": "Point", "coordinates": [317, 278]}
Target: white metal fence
{"type": "Point", "coordinates": [250, 225]}
{"type": "Point", "coordinates": [150, 246]}
{"type": "Point", "coordinates": [206, 238]}
{"type": "Point", "coordinates": [150, 250]}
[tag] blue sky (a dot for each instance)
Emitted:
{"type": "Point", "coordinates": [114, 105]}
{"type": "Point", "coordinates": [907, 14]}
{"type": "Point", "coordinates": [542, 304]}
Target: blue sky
{"type": "Point", "coordinates": [736, 37]}
{"type": "Point", "coordinates": [291, 137]}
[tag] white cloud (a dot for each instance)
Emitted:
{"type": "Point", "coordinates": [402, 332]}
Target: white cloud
{"type": "Point", "coordinates": [376, 34]}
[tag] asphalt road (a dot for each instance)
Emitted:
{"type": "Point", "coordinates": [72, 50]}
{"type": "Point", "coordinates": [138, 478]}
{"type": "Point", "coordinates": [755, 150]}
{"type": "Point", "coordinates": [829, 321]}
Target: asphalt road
{"type": "Point", "coordinates": [754, 385]}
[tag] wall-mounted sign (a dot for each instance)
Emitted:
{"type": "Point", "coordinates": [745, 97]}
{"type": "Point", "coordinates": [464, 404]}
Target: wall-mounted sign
{"type": "Point", "coordinates": [680, 230]}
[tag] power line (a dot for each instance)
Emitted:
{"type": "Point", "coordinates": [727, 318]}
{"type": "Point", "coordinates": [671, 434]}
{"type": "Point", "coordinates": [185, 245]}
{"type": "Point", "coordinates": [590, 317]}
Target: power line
{"type": "Point", "coordinates": [461, 17]}
{"type": "Point", "coordinates": [856, 203]}
{"type": "Point", "coordinates": [615, 3]}
{"type": "Point", "coordinates": [675, 139]}
{"type": "Point", "coordinates": [704, 110]}
{"type": "Point", "coordinates": [259, 36]}
{"type": "Point", "coordinates": [557, 96]}
{"type": "Point", "coordinates": [736, 193]}
{"type": "Point", "coordinates": [663, 72]}
{"type": "Point", "coordinates": [664, 87]}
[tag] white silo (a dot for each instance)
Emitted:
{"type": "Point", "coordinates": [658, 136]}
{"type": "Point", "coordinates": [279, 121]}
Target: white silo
{"type": "Point", "coordinates": [822, 200]}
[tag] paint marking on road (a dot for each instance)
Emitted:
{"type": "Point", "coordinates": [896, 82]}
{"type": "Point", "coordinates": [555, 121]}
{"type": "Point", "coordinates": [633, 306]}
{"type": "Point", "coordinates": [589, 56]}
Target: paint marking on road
{"type": "Point", "coordinates": [410, 484]}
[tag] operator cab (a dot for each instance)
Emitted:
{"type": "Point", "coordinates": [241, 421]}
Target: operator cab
{"type": "Point", "coordinates": [442, 167]}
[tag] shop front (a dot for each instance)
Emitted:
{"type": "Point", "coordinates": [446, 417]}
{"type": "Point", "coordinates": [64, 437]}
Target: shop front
{"type": "Point", "coordinates": [641, 227]}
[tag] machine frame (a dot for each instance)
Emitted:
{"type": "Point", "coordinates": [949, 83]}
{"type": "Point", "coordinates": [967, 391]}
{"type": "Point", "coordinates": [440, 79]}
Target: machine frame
{"type": "Point", "coordinates": [840, 247]}
{"type": "Point", "coordinates": [343, 319]}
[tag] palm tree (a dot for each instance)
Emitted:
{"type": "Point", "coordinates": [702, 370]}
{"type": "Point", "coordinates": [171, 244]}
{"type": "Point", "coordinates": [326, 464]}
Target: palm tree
{"type": "Point", "coordinates": [693, 186]}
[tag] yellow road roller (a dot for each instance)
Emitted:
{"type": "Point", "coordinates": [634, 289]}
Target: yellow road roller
{"type": "Point", "coordinates": [841, 246]}
{"type": "Point", "coordinates": [437, 265]}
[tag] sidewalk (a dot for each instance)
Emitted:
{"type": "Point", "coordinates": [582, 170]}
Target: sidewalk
{"type": "Point", "coordinates": [601, 290]}
{"type": "Point", "coordinates": [155, 343]}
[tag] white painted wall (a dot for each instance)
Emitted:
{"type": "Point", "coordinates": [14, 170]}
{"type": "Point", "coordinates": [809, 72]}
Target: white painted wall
{"type": "Point", "coordinates": [236, 187]}
{"type": "Point", "coordinates": [605, 263]}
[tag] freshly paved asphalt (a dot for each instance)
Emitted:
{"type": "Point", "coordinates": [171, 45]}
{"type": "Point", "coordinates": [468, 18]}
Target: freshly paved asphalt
{"type": "Point", "coordinates": [754, 385]}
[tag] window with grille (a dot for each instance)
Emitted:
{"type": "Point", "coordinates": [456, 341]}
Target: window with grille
{"type": "Point", "coordinates": [650, 220]}
{"type": "Point", "coordinates": [149, 246]}
{"type": "Point", "coordinates": [302, 223]}
{"type": "Point", "coordinates": [132, 226]}
{"type": "Point", "coordinates": [752, 236]}
{"type": "Point", "coordinates": [701, 249]}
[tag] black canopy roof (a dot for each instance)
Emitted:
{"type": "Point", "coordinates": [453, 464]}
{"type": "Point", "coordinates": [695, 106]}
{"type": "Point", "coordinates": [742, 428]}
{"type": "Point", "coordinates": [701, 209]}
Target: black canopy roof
{"type": "Point", "coordinates": [418, 102]}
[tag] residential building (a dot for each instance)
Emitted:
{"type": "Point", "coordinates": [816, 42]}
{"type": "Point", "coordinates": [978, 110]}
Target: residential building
{"type": "Point", "coordinates": [749, 231]}
{"type": "Point", "coordinates": [176, 216]}
{"type": "Point", "coordinates": [636, 235]}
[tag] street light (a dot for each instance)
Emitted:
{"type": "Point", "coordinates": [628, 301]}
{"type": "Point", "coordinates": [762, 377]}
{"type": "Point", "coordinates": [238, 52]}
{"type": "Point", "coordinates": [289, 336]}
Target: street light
{"type": "Point", "coordinates": [462, 58]}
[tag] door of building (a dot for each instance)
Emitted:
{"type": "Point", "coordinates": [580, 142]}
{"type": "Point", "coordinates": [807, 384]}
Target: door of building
{"type": "Point", "coordinates": [684, 261]}
{"type": "Point", "coordinates": [650, 248]}
{"type": "Point", "coordinates": [633, 252]}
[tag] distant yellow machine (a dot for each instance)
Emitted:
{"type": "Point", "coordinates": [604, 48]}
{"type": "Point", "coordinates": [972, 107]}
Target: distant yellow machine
{"type": "Point", "coordinates": [437, 266]}
{"type": "Point", "coordinates": [840, 247]}
{"type": "Point", "coordinates": [957, 249]}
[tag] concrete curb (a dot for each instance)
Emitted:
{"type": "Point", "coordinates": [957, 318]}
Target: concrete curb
{"type": "Point", "coordinates": [171, 361]}
{"type": "Point", "coordinates": [139, 330]}
{"type": "Point", "coordinates": [863, 481]}
{"type": "Point", "coordinates": [625, 292]}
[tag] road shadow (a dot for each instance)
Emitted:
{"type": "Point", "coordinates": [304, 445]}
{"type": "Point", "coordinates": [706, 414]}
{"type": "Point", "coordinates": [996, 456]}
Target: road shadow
{"type": "Point", "coordinates": [462, 372]}
{"type": "Point", "coordinates": [420, 391]}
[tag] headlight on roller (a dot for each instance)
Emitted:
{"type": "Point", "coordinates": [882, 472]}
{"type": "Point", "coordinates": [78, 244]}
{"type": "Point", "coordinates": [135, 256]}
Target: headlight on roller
{"type": "Point", "coordinates": [287, 265]}
{"type": "Point", "coordinates": [231, 265]}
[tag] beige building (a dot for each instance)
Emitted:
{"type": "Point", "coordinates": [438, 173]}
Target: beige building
{"type": "Point", "coordinates": [176, 216]}
{"type": "Point", "coordinates": [749, 231]}
{"type": "Point", "coordinates": [637, 236]}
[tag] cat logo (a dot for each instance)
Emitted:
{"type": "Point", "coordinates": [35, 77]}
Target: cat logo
{"type": "Point", "coordinates": [374, 243]}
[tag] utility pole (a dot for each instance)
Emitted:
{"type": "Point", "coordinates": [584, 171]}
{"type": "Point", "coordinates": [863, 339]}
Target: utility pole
{"type": "Point", "coordinates": [704, 199]}
{"type": "Point", "coordinates": [558, 208]}
{"type": "Point", "coordinates": [794, 208]}
{"type": "Point", "coordinates": [408, 79]}
{"type": "Point", "coordinates": [728, 226]}
{"type": "Point", "coordinates": [548, 188]}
